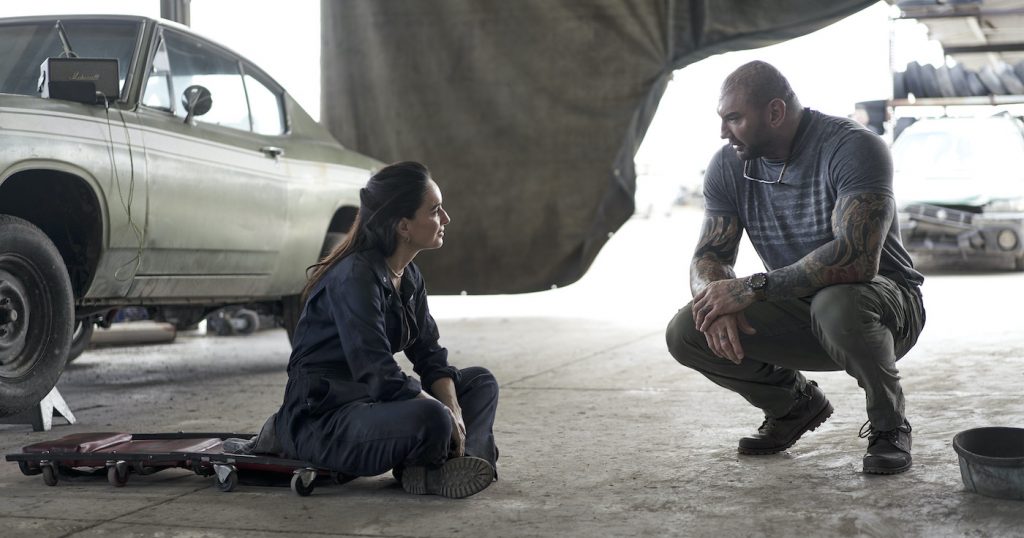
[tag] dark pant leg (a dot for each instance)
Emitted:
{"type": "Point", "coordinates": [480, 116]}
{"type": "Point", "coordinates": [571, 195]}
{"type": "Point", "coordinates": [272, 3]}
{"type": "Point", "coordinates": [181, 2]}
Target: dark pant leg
{"type": "Point", "coordinates": [477, 391]}
{"type": "Point", "coordinates": [865, 328]}
{"type": "Point", "coordinates": [861, 328]}
{"type": "Point", "coordinates": [768, 376]}
{"type": "Point", "coordinates": [370, 438]}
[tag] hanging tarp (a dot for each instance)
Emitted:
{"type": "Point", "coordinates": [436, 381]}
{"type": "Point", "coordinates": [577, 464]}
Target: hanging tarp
{"type": "Point", "coordinates": [528, 112]}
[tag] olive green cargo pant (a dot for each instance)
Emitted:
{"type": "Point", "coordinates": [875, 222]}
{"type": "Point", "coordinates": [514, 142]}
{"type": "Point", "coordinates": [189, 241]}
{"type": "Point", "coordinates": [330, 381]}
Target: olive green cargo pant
{"type": "Point", "coordinates": [861, 328]}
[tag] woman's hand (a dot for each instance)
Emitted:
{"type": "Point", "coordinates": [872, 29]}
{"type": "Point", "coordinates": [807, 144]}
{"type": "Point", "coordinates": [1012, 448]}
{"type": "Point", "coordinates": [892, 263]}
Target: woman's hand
{"type": "Point", "coordinates": [444, 388]}
{"type": "Point", "coordinates": [458, 446]}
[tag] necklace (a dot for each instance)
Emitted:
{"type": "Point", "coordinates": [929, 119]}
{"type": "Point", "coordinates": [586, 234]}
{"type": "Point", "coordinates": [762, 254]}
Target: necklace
{"type": "Point", "coordinates": [395, 274]}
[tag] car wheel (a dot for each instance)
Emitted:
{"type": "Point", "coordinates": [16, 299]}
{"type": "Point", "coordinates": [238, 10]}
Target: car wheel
{"type": "Point", "coordinates": [36, 315]}
{"type": "Point", "coordinates": [248, 321]}
{"type": "Point", "coordinates": [80, 338]}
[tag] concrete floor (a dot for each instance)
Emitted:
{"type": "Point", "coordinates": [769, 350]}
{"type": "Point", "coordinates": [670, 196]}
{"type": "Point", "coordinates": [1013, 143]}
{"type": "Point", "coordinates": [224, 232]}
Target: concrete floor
{"type": "Point", "coordinates": [601, 432]}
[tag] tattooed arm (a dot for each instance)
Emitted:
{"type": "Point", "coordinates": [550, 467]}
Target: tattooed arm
{"type": "Point", "coordinates": [859, 224]}
{"type": "Point", "coordinates": [716, 251]}
{"type": "Point", "coordinates": [713, 261]}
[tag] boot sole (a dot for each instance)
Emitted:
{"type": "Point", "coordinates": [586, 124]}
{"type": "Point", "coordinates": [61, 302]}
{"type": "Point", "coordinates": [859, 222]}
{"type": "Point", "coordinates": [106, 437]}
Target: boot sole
{"type": "Point", "coordinates": [456, 479]}
{"type": "Point", "coordinates": [887, 470]}
{"type": "Point", "coordinates": [812, 425]}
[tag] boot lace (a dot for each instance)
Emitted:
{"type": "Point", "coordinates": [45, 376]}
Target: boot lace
{"type": "Point", "coordinates": [869, 431]}
{"type": "Point", "coordinates": [766, 426]}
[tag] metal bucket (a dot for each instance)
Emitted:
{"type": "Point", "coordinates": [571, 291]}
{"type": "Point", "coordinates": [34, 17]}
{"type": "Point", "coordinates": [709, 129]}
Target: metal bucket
{"type": "Point", "coordinates": [992, 461]}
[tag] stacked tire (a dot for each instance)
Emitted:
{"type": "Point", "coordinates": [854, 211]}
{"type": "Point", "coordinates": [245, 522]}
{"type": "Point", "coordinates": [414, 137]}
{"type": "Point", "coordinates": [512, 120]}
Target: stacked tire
{"type": "Point", "coordinates": [928, 81]}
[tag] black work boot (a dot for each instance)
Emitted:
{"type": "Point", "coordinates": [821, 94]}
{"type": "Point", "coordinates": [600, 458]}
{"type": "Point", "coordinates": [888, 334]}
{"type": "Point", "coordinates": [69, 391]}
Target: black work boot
{"type": "Point", "coordinates": [888, 451]}
{"type": "Point", "coordinates": [778, 434]}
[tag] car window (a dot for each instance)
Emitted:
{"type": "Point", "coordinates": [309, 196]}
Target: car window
{"type": "Point", "coordinates": [193, 62]}
{"type": "Point", "coordinates": [158, 83]}
{"type": "Point", "coordinates": [25, 45]}
{"type": "Point", "coordinates": [265, 106]}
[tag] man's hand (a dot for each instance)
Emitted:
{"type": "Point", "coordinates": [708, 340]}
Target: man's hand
{"type": "Point", "coordinates": [718, 299]}
{"type": "Point", "coordinates": [723, 336]}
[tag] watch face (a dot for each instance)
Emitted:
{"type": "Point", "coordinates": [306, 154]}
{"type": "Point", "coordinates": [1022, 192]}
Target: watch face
{"type": "Point", "coordinates": [758, 281]}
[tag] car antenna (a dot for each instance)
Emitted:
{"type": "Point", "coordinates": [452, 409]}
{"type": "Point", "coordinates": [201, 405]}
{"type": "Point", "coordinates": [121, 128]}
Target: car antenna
{"type": "Point", "coordinates": [63, 35]}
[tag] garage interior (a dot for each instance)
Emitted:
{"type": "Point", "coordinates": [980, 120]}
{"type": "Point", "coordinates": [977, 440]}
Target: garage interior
{"type": "Point", "coordinates": [601, 432]}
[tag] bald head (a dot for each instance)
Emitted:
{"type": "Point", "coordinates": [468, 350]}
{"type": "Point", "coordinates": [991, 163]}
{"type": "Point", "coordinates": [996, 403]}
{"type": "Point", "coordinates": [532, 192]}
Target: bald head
{"type": "Point", "coordinates": [759, 83]}
{"type": "Point", "coordinates": [760, 113]}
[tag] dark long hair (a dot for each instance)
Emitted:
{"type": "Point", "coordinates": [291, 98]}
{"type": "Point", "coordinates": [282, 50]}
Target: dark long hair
{"type": "Point", "coordinates": [393, 193]}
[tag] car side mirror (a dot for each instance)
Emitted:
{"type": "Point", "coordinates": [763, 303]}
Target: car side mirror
{"type": "Point", "coordinates": [197, 101]}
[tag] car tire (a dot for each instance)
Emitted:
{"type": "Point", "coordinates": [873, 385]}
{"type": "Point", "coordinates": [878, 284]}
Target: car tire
{"type": "Point", "coordinates": [80, 338]}
{"type": "Point", "coordinates": [250, 321]}
{"type": "Point", "coordinates": [959, 77]}
{"type": "Point", "coordinates": [977, 87]}
{"type": "Point", "coordinates": [36, 290]}
{"type": "Point", "coordinates": [912, 80]}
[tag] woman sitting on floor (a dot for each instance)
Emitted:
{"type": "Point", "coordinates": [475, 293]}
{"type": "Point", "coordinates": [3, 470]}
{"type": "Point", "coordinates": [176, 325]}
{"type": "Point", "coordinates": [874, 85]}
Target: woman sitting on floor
{"type": "Point", "coordinates": [347, 405]}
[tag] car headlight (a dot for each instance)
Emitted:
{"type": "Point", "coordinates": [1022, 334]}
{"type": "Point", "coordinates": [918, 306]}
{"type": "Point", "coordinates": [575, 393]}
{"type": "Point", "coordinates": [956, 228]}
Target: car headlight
{"type": "Point", "coordinates": [1007, 239]}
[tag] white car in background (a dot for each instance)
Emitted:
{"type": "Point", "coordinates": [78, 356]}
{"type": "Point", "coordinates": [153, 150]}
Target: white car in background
{"type": "Point", "coordinates": [959, 184]}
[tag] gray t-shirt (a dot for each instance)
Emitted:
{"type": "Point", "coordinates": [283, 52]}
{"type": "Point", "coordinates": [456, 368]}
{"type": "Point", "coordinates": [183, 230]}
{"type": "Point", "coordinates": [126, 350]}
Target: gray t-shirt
{"type": "Point", "coordinates": [832, 157]}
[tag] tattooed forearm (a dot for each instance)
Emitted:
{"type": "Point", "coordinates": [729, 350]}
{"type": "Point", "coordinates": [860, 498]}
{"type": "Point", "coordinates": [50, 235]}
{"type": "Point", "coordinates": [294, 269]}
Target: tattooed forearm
{"type": "Point", "coordinates": [716, 251]}
{"type": "Point", "coordinates": [859, 224]}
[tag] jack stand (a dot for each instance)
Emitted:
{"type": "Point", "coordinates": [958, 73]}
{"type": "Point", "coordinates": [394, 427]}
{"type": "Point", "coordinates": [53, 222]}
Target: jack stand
{"type": "Point", "coordinates": [41, 415]}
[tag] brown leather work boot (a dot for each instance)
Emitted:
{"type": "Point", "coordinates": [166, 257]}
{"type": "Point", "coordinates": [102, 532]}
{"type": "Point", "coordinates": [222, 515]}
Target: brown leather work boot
{"type": "Point", "coordinates": [778, 434]}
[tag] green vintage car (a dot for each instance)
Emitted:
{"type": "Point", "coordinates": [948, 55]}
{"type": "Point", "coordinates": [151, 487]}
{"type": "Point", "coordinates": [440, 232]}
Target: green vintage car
{"type": "Point", "coordinates": [199, 183]}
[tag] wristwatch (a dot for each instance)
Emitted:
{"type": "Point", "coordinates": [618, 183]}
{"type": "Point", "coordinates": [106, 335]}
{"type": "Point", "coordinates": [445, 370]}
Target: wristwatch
{"type": "Point", "coordinates": [758, 283]}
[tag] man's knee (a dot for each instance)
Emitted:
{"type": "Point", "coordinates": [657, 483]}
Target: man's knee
{"type": "Point", "coordinates": [841, 309]}
{"type": "Point", "coordinates": [682, 337]}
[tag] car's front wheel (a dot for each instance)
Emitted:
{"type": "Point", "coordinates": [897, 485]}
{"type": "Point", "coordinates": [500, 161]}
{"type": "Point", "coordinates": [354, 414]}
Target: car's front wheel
{"type": "Point", "coordinates": [36, 315]}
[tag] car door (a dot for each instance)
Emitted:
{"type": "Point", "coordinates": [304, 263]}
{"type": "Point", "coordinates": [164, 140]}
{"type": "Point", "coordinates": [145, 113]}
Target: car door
{"type": "Point", "coordinates": [217, 192]}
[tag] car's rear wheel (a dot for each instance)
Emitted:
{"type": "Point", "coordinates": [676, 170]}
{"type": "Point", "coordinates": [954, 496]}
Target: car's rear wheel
{"type": "Point", "coordinates": [245, 321]}
{"type": "Point", "coordinates": [36, 315]}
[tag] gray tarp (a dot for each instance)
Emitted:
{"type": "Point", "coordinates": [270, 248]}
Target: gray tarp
{"type": "Point", "coordinates": [528, 112]}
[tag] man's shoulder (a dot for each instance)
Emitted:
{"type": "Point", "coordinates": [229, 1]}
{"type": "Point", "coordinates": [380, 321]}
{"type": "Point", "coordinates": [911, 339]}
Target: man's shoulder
{"type": "Point", "coordinates": [836, 135]}
{"type": "Point", "coordinates": [838, 128]}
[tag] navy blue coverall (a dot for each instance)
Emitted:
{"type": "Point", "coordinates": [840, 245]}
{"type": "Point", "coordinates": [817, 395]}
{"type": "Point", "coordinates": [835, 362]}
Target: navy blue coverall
{"type": "Point", "coordinates": [347, 405]}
